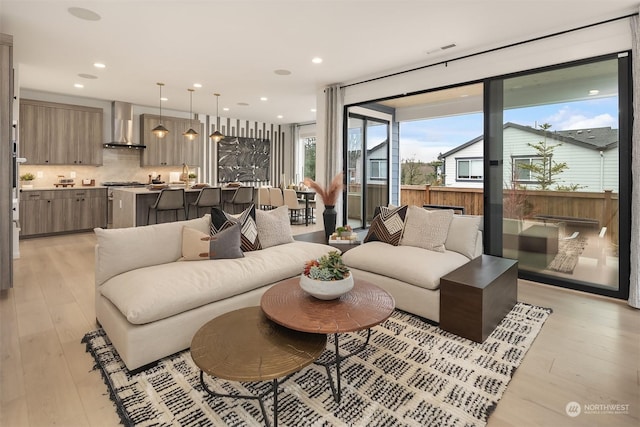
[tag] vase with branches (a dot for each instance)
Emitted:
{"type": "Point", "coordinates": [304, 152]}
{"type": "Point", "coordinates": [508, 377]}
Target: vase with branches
{"type": "Point", "coordinates": [329, 197]}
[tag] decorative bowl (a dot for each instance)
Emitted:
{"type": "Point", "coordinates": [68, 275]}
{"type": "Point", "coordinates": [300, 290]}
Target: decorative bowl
{"type": "Point", "coordinates": [326, 289]}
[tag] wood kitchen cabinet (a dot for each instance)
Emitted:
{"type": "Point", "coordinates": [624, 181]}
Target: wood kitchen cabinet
{"type": "Point", "coordinates": [63, 210]}
{"type": "Point", "coordinates": [174, 149]}
{"type": "Point", "coordinates": [60, 134]}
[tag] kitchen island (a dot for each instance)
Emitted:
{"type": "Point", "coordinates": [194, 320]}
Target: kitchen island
{"type": "Point", "coordinates": [131, 205]}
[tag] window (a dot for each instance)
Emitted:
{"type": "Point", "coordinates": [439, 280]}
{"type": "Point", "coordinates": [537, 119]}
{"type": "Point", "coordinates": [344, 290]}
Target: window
{"type": "Point", "coordinates": [524, 168]}
{"type": "Point", "coordinates": [378, 169]}
{"type": "Point", "coordinates": [469, 169]}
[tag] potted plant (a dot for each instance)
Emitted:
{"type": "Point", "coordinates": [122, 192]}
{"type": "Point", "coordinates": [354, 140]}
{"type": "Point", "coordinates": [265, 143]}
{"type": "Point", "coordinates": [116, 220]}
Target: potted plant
{"type": "Point", "coordinates": [329, 198]}
{"type": "Point", "coordinates": [327, 277]}
{"type": "Point", "coordinates": [25, 180]}
{"type": "Point", "coordinates": [192, 178]}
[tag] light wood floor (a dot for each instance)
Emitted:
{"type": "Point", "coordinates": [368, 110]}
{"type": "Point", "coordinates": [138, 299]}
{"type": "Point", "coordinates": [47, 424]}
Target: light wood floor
{"type": "Point", "coordinates": [587, 352]}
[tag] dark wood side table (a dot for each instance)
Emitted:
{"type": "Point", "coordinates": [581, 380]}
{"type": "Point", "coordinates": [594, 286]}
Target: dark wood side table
{"type": "Point", "coordinates": [320, 237]}
{"type": "Point", "coordinates": [475, 297]}
{"type": "Point", "coordinates": [243, 345]}
{"type": "Point", "coordinates": [365, 306]}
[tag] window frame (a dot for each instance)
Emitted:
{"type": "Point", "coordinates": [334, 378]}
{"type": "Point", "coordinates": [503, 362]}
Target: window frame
{"type": "Point", "coordinates": [470, 177]}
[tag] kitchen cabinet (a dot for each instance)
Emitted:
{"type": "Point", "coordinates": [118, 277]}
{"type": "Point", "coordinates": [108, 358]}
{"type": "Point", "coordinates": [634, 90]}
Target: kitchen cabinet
{"type": "Point", "coordinates": [60, 134]}
{"type": "Point", "coordinates": [174, 149]}
{"type": "Point", "coordinates": [63, 210]}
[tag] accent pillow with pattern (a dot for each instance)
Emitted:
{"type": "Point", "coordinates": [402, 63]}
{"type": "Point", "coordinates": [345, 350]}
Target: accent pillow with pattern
{"type": "Point", "coordinates": [197, 246]}
{"type": "Point", "coordinates": [221, 220]}
{"type": "Point", "coordinates": [388, 225]}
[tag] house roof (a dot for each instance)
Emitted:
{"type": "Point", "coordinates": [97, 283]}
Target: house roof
{"type": "Point", "coordinates": [603, 138]}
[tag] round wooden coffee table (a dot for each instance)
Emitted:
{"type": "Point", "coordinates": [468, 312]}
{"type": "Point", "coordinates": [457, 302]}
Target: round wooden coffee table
{"type": "Point", "coordinates": [243, 345]}
{"type": "Point", "coordinates": [365, 306]}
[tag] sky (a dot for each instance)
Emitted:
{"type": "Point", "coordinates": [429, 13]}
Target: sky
{"type": "Point", "coordinates": [424, 140]}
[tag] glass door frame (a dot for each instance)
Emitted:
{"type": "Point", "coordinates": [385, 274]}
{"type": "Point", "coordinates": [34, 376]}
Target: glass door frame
{"type": "Point", "coordinates": [360, 115]}
{"type": "Point", "coordinates": [493, 215]}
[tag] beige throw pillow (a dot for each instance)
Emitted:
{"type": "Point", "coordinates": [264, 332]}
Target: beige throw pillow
{"type": "Point", "coordinates": [463, 235]}
{"type": "Point", "coordinates": [274, 227]}
{"type": "Point", "coordinates": [426, 229]}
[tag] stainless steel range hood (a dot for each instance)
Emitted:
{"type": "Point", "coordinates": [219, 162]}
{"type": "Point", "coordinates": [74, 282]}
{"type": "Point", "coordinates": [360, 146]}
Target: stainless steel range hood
{"type": "Point", "coordinates": [122, 126]}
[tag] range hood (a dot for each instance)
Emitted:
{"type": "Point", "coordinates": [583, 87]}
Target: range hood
{"type": "Point", "coordinates": [122, 127]}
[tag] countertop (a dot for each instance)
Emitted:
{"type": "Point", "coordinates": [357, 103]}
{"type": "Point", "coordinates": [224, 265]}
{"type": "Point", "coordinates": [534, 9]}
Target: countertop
{"type": "Point", "coordinates": [79, 187]}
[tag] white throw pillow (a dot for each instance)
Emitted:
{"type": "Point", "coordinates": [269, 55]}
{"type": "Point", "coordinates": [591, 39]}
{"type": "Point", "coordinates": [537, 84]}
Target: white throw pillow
{"type": "Point", "coordinates": [463, 235]}
{"type": "Point", "coordinates": [426, 229]}
{"type": "Point", "coordinates": [274, 227]}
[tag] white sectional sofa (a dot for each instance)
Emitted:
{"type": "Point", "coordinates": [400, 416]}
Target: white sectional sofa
{"type": "Point", "coordinates": [151, 303]}
{"type": "Point", "coordinates": [411, 270]}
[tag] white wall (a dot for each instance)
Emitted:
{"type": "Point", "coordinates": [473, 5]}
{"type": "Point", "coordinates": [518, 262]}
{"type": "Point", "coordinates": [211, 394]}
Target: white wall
{"type": "Point", "coordinates": [587, 43]}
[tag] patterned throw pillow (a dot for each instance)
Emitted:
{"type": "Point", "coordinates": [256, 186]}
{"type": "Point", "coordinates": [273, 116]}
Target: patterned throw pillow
{"type": "Point", "coordinates": [388, 225]}
{"type": "Point", "coordinates": [427, 229]}
{"type": "Point", "coordinates": [221, 220]}
{"type": "Point", "coordinates": [197, 246]}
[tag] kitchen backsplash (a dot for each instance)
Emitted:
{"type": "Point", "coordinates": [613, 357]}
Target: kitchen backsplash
{"type": "Point", "coordinates": [118, 165]}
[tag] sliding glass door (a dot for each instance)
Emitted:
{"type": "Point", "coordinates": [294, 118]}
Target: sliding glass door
{"type": "Point", "coordinates": [561, 180]}
{"type": "Point", "coordinates": [367, 160]}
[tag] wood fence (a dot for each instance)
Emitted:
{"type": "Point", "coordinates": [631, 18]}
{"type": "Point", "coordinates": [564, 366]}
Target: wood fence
{"type": "Point", "coordinates": [598, 209]}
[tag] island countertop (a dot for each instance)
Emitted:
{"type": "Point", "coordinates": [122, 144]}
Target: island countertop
{"type": "Point", "coordinates": [131, 205]}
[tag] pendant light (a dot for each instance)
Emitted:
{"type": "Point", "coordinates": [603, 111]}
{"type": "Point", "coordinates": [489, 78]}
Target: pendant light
{"type": "Point", "coordinates": [190, 134]}
{"type": "Point", "coordinates": [160, 131]}
{"type": "Point", "coordinates": [217, 136]}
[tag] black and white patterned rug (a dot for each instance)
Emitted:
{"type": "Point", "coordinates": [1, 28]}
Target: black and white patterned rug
{"type": "Point", "coordinates": [411, 374]}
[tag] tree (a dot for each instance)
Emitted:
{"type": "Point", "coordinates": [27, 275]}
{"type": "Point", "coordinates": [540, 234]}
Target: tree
{"type": "Point", "coordinates": [310, 157]}
{"type": "Point", "coordinates": [545, 171]}
{"type": "Point", "coordinates": [412, 172]}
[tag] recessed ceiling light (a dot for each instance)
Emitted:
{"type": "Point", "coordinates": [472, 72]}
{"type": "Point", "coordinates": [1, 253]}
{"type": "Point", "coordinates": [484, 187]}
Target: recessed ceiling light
{"type": "Point", "coordinates": [280, 116]}
{"type": "Point", "coordinates": [263, 98]}
{"type": "Point", "coordinates": [243, 104]}
{"type": "Point", "coordinates": [225, 108]}
{"type": "Point", "coordinates": [87, 76]}
{"type": "Point", "coordinates": [78, 85]}
{"type": "Point", "coordinates": [99, 65]}
{"type": "Point", "coordinates": [313, 110]}
{"type": "Point", "coordinates": [164, 99]}
{"type": "Point", "coordinates": [594, 92]}
{"type": "Point", "coordinates": [198, 85]}
{"type": "Point", "coordinates": [317, 60]}
{"type": "Point", "coordinates": [82, 13]}
{"type": "Point", "coordinates": [282, 72]}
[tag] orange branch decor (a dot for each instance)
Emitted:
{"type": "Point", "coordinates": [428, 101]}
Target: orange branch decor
{"type": "Point", "coordinates": [330, 195]}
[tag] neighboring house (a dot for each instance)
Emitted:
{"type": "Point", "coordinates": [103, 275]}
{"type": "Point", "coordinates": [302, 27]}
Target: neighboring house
{"type": "Point", "coordinates": [591, 156]}
{"type": "Point", "coordinates": [377, 164]}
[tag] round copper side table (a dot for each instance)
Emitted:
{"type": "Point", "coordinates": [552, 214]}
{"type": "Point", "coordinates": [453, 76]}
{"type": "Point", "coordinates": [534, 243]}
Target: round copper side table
{"type": "Point", "coordinates": [365, 306]}
{"type": "Point", "coordinates": [243, 345]}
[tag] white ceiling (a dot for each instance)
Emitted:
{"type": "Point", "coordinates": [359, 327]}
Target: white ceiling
{"type": "Point", "coordinates": [233, 47]}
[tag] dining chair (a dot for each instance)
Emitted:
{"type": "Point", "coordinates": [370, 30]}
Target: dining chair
{"type": "Point", "coordinates": [295, 206]}
{"type": "Point", "coordinates": [209, 197]}
{"type": "Point", "coordinates": [263, 198]}
{"type": "Point", "coordinates": [169, 199]}
{"type": "Point", "coordinates": [243, 197]}
{"type": "Point", "coordinates": [275, 197]}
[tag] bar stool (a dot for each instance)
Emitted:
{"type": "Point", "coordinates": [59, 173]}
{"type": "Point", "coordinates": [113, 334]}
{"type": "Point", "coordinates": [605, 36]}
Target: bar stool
{"type": "Point", "coordinates": [243, 197]}
{"type": "Point", "coordinates": [209, 197]}
{"type": "Point", "coordinates": [169, 199]}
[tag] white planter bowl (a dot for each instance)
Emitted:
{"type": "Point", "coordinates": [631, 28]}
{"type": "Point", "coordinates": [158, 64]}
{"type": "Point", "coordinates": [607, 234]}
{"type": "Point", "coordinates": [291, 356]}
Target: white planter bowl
{"type": "Point", "coordinates": [326, 289]}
